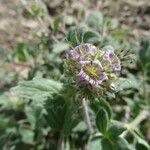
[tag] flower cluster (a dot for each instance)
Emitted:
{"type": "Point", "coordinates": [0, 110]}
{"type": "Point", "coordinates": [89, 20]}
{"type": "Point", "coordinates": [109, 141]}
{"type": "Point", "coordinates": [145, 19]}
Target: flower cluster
{"type": "Point", "coordinates": [90, 66]}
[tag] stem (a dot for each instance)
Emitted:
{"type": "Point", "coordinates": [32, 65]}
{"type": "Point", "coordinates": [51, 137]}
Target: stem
{"type": "Point", "coordinates": [131, 126]}
{"type": "Point", "coordinates": [61, 142]}
{"type": "Point", "coordinates": [86, 115]}
{"type": "Point", "coordinates": [47, 30]}
{"type": "Point", "coordinates": [127, 114]}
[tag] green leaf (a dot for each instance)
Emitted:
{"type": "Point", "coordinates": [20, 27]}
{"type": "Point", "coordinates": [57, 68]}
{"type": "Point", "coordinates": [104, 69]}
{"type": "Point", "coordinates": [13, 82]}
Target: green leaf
{"type": "Point", "coordinates": [115, 144]}
{"type": "Point", "coordinates": [57, 23]}
{"type": "Point", "coordinates": [144, 53]}
{"type": "Point", "coordinates": [61, 115]}
{"type": "Point", "coordinates": [121, 144]}
{"type": "Point", "coordinates": [140, 140]}
{"type": "Point", "coordinates": [92, 37]}
{"type": "Point", "coordinates": [103, 103]}
{"type": "Point", "coordinates": [60, 47]}
{"type": "Point", "coordinates": [36, 10]}
{"type": "Point", "coordinates": [75, 35]}
{"type": "Point", "coordinates": [4, 99]}
{"type": "Point", "coordinates": [121, 32]}
{"type": "Point", "coordinates": [115, 130]}
{"type": "Point", "coordinates": [38, 89]}
{"type": "Point", "coordinates": [71, 117]}
{"type": "Point", "coordinates": [95, 20]}
{"type": "Point", "coordinates": [127, 83]}
{"type": "Point", "coordinates": [106, 144]}
{"type": "Point", "coordinates": [111, 23]}
{"type": "Point", "coordinates": [27, 135]}
{"type": "Point", "coordinates": [55, 107]}
{"type": "Point", "coordinates": [96, 105]}
{"type": "Point", "coordinates": [21, 52]}
{"type": "Point", "coordinates": [80, 127]}
{"type": "Point", "coordinates": [102, 120]}
{"type": "Point", "coordinates": [94, 145]}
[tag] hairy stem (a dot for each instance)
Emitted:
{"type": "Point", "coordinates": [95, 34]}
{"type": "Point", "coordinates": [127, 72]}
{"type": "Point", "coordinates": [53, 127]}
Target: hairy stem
{"type": "Point", "coordinates": [86, 115]}
{"type": "Point", "coordinates": [60, 145]}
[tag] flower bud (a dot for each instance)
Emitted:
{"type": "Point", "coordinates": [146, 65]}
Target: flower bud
{"type": "Point", "coordinates": [112, 88]}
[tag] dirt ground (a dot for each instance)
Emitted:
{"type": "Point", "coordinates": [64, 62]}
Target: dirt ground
{"type": "Point", "coordinates": [15, 28]}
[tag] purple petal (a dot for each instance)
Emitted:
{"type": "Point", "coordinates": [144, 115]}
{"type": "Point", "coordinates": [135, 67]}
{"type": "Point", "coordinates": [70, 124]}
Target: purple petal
{"type": "Point", "coordinates": [113, 61]}
{"type": "Point", "coordinates": [94, 79]}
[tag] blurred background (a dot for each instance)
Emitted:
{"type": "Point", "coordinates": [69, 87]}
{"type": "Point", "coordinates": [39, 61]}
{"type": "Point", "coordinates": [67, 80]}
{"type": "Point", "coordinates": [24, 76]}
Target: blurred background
{"type": "Point", "coordinates": [34, 37]}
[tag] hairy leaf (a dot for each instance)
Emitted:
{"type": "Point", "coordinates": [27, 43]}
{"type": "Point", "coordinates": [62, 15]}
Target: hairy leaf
{"type": "Point", "coordinates": [38, 89]}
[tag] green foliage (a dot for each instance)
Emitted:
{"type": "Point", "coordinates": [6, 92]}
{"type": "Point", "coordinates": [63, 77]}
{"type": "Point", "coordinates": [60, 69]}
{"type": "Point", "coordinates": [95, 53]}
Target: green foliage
{"type": "Point", "coordinates": [38, 89]}
{"type": "Point", "coordinates": [36, 10]}
{"type": "Point", "coordinates": [115, 144]}
{"type": "Point", "coordinates": [95, 20]}
{"type": "Point", "coordinates": [91, 37]}
{"type": "Point", "coordinates": [59, 48]}
{"type": "Point", "coordinates": [97, 105]}
{"type": "Point", "coordinates": [37, 110]}
{"type": "Point", "coordinates": [121, 33]}
{"type": "Point", "coordinates": [95, 144]}
{"type": "Point", "coordinates": [82, 34]}
{"type": "Point", "coordinates": [102, 120]}
{"type": "Point", "coordinates": [115, 130]}
{"type": "Point", "coordinates": [144, 54]}
{"type": "Point", "coordinates": [61, 115]}
{"type": "Point", "coordinates": [27, 135]}
{"type": "Point", "coordinates": [75, 34]}
{"type": "Point", "coordinates": [22, 52]}
{"type": "Point", "coordinates": [56, 24]}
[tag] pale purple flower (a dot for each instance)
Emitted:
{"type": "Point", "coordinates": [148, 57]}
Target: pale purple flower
{"type": "Point", "coordinates": [72, 54]}
{"type": "Point", "coordinates": [91, 66]}
{"type": "Point", "coordinates": [91, 73]}
{"type": "Point", "coordinates": [82, 52]}
{"type": "Point", "coordinates": [113, 61]}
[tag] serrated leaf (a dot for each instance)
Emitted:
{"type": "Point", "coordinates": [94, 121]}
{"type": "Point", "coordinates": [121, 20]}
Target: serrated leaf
{"type": "Point", "coordinates": [38, 89]}
{"type": "Point", "coordinates": [61, 115]}
{"type": "Point", "coordinates": [127, 83]}
{"type": "Point", "coordinates": [55, 107]}
{"type": "Point", "coordinates": [102, 120]}
{"type": "Point", "coordinates": [71, 117]}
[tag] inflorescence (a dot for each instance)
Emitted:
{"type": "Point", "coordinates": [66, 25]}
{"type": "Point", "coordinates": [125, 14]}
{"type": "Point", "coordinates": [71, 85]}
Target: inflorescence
{"type": "Point", "coordinates": [93, 68]}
